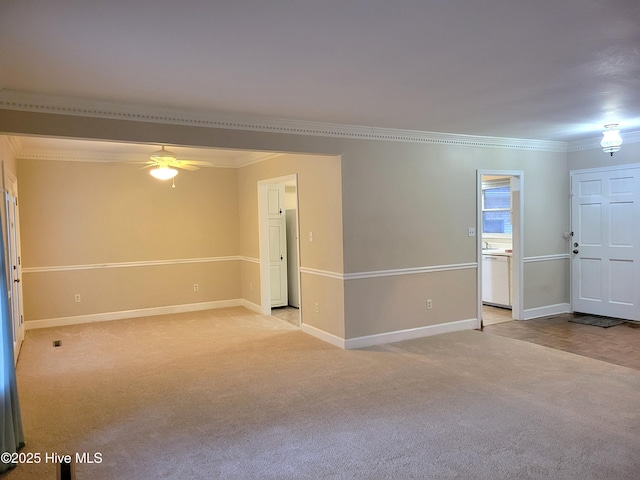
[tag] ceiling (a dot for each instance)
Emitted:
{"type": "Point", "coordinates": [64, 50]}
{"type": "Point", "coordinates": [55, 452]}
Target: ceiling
{"type": "Point", "coordinates": [542, 70]}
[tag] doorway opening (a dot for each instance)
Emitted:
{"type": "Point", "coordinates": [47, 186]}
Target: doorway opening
{"type": "Point", "coordinates": [278, 221]}
{"type": "Point", "coordinates": [500, 206]}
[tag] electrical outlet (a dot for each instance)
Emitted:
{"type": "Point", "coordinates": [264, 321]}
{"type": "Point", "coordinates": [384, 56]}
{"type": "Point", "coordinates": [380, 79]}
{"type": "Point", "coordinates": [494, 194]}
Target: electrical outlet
{"type": "Point", "coordinates": [195, 287]}
{"type": "Point", "coordinates": [429, 304]}
{"type": "Point", "coordinates": [317, 307]}
{"type": "Point", "coordinates": [77, 298]}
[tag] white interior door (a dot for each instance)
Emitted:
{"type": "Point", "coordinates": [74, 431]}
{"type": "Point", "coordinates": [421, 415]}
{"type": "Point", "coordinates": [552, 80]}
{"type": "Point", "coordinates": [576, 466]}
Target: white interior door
{"type": "Point", "coordinates": [14, 275]}
{"type": "Point", "coordinates": [605, 218]}
{"type": "Point", "coordinates": [277, 245]}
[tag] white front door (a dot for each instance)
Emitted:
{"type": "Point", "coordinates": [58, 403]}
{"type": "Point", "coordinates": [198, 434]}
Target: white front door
{"type": "Point", "coordinates": [13, 249]}
{"type": "Point", "coordinates": [277, 246]}
{"type": "Point", "coordinates": [605, 218]}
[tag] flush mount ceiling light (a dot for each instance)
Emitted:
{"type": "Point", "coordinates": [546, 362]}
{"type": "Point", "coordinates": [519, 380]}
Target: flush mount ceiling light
{"type": "Point", "coordinates": [163, 172]}
{"type": "Point", "coordinates": [611, 139]}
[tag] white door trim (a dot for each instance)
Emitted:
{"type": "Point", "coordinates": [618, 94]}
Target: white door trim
{"type": "Point", "coordinates": [572, 174]}
{"type": "Point", "coordinates": [263, 238]}
{"type": "Point", "coordinates": [517, 286]}
{"type": "Point", "coordinates": [12, 248]}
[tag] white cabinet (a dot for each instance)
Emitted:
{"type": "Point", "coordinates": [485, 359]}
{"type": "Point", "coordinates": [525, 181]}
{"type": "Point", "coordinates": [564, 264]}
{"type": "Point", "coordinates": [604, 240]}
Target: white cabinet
{"type": "Point", "coordinates": [496, 288]}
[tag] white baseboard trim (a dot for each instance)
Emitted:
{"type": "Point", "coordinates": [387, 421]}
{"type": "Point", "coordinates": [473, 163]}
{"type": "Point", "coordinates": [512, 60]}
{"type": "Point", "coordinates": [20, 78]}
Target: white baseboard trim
{"type": "Point", "coordinates": [548, 310]}
{"type": "Point", "coordinates": [390, 337]}
{"type": "Point", "coordinates": [251, 306]}
{"type": "Point", "coordinates": [411, 333]}
{"type": "Point", "coordinates": [322, 335]}
{"type": "Point", "coordinates": [143, 312]}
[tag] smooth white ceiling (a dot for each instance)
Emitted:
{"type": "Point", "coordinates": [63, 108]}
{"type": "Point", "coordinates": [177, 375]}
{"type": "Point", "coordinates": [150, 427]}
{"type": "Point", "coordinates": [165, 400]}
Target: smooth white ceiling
{"type": "Point", "coordinates": [543, 69]}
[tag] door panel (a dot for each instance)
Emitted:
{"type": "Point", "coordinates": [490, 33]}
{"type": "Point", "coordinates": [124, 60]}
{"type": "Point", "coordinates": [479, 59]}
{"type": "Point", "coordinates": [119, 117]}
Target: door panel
{"type": "Point", "coordinates": [606, 243]}
{"type": "Point", "coordinates": [15, 269]}
{"type": "Point", "coordinates": [277, 246]}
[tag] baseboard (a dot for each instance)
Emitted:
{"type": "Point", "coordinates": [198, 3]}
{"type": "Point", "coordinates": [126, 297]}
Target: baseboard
{"type": "Point", "coordinates": [143, 312]}
{"type": "Point", "coordinates": [409, 334]}
{"type": "Point", "coordinates": [548, 310]}
{"type": "Point", "coordinates": [251, 306]}
{"type": "Point", "coordinates": [322, 335]}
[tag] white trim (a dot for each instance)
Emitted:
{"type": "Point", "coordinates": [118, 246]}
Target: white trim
{"type": "Point", "coordinates": [322, 335]}
{"type": "Point", "coordinates": [388, 273]}
{"type": "Point", "coordinates": [409, 334]}
{"type": "Point", "coordinates": [610, 168]}
{"type": "Point", "coordinates": [409, 271]}
{"type": "Point", "coordinates": [517, 263]}
{"type": "Point", "coordinates": [544, 258]}
{"type": "Point", "coordinates": [142, 312]}
{"type": "Point", "coordinates": [255, 157]}
{"type": "Point", "coordinates": [15, 144]}
{"type": "Point", "coordinates": [132, 158]}
{"type": "Point", "coordinates": [322, 273]}
{"type": "Point", "coordinates": [263, 235]}
{"type": "Point", "coordinates": [150, 263]}
{"type": "Point", "coordinates": [250, 259]}
{"type": "Point", "coordinates": [547, 310]}
{"type": "Point", "coordinates": [14, 100]}
{"type": "Point", "coordinates": [254, 307]}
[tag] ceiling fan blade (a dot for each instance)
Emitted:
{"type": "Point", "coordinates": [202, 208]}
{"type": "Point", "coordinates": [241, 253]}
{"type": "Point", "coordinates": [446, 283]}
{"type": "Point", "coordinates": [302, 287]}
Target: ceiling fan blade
{"type": "Point", "coordinates": [186, 167]}
{"type": "Point", "coordinates": [202, 163]}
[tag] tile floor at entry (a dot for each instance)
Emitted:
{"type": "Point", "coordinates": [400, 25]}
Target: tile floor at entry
{"type": "Point", "coordinates": [619, 345]}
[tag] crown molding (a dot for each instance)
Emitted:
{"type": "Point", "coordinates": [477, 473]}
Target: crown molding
{"type": "Point", "coordinates": [594, 143]}
{"type": "Point", "coordinates": [21, 101]}
{"type": "Point", "coordinates": [26, 153]}
{"type": "Point", "coordinates": [256, 157]}
{"type": "Point", "coordinates": [15, 144]}
{"type": "Point", "coordinates": [101, 157]}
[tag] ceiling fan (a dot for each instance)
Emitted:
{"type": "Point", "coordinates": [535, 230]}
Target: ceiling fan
{"type": "Point", "coordinates": [164, 163]}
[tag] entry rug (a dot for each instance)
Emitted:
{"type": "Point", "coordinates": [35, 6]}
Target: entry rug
{"type": "Point", "coordinates": [604, 322]}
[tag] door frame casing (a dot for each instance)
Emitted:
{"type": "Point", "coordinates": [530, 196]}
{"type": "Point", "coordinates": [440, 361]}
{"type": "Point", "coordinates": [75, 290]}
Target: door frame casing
{"type": "Point", "coordinates": [10, 188]}
{"type": "Point", "coordinates": [517, 221]}
{"type": "Point", "coordinates": [263, 239]}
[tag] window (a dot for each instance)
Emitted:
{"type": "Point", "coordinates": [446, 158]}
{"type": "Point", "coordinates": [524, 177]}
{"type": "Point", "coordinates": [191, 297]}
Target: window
{"type": "Point", "coordinates": [496, 209]}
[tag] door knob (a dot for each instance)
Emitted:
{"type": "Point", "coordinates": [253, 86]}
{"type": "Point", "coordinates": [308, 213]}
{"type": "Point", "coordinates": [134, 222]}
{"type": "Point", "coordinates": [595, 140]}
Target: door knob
{"type": "Point", "coordinates": [575, 251]}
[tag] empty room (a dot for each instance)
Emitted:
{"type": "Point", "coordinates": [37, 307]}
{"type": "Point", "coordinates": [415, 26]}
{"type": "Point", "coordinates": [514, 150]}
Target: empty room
{"type": "Point", "coordinates": [320, 239]}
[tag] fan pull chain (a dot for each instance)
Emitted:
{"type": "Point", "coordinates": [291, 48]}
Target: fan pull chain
{"type": "Point", "coordinates": [174, 182]}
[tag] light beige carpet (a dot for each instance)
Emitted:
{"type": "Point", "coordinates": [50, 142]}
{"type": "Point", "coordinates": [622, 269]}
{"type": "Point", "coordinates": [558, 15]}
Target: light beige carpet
{"type": "Point", "coordinates": [231, 394]}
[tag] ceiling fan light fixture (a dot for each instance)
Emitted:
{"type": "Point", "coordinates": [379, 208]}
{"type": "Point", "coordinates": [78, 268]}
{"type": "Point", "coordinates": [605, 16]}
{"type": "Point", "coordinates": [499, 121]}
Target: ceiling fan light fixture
{"type": "Point", "coordinates": [163, 172]}
{"type": "Point", "coordinates": [611, 139]}
{"type": "Point", "coordinates": [163, 155]}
